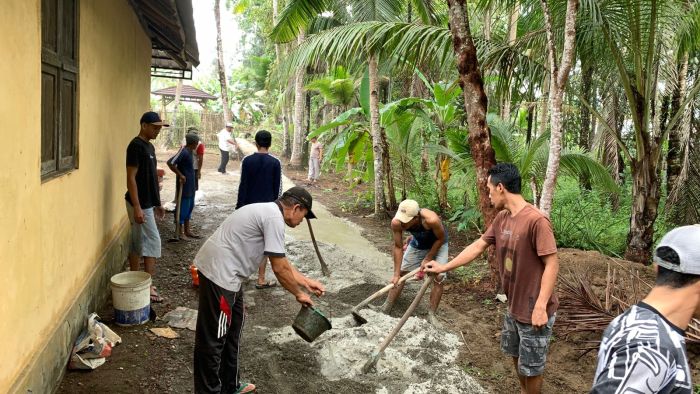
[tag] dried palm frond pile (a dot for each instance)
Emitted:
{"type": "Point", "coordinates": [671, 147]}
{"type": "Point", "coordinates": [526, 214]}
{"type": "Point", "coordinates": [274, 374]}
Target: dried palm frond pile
{"type": "Point", "coordinates": [585, 307]}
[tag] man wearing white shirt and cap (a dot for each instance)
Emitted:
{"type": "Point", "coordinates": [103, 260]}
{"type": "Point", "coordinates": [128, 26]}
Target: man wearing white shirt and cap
{"type": "Point", "coordinates": [225, 139]}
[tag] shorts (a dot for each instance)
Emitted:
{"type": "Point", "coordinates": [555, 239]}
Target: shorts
{"type": "Point", "coordinates": [412, 258]}
{"type": "Point", "coordinates": [145, 239]}
{"type": "Point", "coordinates": [528, 344]}
{"type": "Point", "coordinates": [186, 208]}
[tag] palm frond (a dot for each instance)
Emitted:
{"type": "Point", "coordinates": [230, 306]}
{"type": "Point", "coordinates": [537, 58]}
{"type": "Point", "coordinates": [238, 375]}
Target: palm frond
{"type": "Point", "coordinates": [297, 16]}
{"type": "Point", "coordinates": [350, 45]}
{"type": "Point", "coordinates": [376, 10]}
{"type": "Point", "coordinates": [576, 163]}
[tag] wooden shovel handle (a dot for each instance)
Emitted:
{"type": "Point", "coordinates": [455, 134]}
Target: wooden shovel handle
{"type": "Point", "coordinates": [324, 267]}
{"type": "Point", "coordinates": [385, 289]}
{"type": "Point", "coordinates": [177, 210]}
{"type": "Point", "coordinates": [406, 315]}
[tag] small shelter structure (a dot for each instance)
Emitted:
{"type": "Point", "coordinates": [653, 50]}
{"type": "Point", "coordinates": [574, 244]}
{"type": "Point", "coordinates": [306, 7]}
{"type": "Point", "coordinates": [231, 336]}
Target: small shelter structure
{"type": "Point", "coordinates": [188, 93]}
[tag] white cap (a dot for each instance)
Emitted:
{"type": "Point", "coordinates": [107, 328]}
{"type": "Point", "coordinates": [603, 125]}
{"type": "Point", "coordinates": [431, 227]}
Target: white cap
{"type": "Point", "coordinates": [408, 209]}
{"type": "Point", "coordinates": [229, 124]}
{"type": "Point", "coordinates": [685, 241]}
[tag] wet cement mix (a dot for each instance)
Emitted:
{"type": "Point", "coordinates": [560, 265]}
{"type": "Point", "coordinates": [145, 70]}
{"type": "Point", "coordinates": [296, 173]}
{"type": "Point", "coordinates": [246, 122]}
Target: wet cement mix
{"type": "Point", "coordinates": [421, 359]}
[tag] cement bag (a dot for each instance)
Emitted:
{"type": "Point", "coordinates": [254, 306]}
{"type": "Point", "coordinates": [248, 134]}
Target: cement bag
{"type": "Point", "coordinates": [93, 345]}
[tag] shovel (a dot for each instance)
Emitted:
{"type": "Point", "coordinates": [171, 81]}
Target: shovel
{"type": "Point", "coordinates": [177, 216]}
{"type": "Point", "coordinates": [378, 353]}
{"type": "Point", "coordinates": [324, 267]}
{"type": "Point", "coordinates": [356, 310]}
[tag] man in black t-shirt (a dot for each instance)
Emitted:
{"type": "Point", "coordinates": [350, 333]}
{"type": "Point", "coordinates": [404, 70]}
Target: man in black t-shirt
{"type": "Point", "coordinates": [143, 197]}
{"type": "Point", "coordinates": [261, 181]}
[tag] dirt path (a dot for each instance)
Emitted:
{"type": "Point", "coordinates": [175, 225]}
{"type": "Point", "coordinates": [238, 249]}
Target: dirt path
{"type": "Point", "coordinates": [421, 359]}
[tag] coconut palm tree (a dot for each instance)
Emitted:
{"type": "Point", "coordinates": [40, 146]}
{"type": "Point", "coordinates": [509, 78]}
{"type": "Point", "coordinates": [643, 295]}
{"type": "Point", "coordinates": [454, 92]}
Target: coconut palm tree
{"type": "Point", "coordinates": [221, 65]}
{"type": "Point", "coordinates": [641, 38]}
{"type": "Point", "coordinates": [302, 14]}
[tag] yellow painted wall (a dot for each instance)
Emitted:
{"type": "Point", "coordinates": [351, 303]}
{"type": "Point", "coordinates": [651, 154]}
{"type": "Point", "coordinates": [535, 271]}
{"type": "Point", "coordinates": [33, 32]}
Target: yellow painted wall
{"type": "Point", "coordinates": [53, 233]}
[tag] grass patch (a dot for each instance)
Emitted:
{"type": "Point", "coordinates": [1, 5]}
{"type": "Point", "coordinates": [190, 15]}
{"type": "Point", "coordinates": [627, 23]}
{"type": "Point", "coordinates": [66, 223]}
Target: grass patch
{"type": "Point", "coordinates": [473, 370]}
{"type": "Point", "coordinates": [473, 273]}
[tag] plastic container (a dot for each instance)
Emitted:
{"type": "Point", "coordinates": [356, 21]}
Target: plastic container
{"type": "Point", "coordinates": [131, 297]}
{"type": "Point", "coordinates": [195, 275]}
{"type": "Point", "coordinates": [310, 323]}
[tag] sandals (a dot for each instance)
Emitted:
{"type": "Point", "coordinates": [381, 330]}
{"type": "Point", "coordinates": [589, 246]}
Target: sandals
{"type": "Point", "coordinates": [266, 285]}
{"type": "Point", "coordinates": [155, 298]}
{"type": "Point", "coordinates": [244, 387]}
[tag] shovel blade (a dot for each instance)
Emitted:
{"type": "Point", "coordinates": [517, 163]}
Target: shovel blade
{"type": "Point", "coordinates": [371, 363]}
{"type": "Point", "coordinates": [358, 318]}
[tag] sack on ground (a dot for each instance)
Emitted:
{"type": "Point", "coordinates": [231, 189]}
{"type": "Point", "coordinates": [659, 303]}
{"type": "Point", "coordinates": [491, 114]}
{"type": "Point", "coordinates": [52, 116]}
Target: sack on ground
{"type": "Point", "coordinates": [93, 345]}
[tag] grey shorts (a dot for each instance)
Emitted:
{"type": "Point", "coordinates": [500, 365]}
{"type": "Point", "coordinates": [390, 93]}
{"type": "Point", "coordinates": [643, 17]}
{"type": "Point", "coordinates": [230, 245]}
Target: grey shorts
{"type": "Point", "coordinates": [527, 343]}
{"type": "Point", "coordinates": [412, 258]}
{"type": "Point", "coordinates": [145, 238]}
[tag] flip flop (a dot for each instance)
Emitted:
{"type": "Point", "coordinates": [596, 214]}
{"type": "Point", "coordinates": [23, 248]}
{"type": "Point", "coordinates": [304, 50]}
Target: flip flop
{"type": "Point", "coordinates": [155, 297]}
{"type": "Point", "coordinates": [244, 387]}
{"type": "Point", "coordinates": [193, 236]}
{"type": "Point", "coordinates": [266, 285]}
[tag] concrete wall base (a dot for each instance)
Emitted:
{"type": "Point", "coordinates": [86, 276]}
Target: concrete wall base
{"type": "Point", "coordinates": [45, 371]}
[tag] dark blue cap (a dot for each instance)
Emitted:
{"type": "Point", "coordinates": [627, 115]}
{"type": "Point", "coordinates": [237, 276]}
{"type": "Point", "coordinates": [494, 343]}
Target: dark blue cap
{"type": "Point", "coordinates": [153, 118]}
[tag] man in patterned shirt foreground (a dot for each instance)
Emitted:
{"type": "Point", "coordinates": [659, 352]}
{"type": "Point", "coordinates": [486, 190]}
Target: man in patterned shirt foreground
{"type": "Point", "coordinates": [643, 350]}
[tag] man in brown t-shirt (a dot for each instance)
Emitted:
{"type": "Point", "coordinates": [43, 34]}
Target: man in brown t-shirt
{"type": "Point", "coordinates": [526, 253]}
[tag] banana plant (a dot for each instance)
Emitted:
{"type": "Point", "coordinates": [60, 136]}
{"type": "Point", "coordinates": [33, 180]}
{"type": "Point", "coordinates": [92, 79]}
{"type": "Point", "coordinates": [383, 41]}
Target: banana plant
{"type": "Point", "coordinates": [441, 113]}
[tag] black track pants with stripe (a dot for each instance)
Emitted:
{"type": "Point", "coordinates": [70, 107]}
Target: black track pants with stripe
{"type": "Point", "coordinates": [219, 324]}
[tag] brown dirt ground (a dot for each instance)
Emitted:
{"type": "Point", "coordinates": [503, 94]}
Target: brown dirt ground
{"type": "Point", "coordinates": [145, 363]}
{"type": "Point", "coordinates": [469, 306]}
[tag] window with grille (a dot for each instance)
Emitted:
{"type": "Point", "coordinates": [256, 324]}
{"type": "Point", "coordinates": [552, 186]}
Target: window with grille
{"type": "Point", "coordinates": [59, 87]}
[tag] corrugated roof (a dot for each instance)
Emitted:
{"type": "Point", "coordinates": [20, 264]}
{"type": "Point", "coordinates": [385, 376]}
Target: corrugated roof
{"type": "Point", "coordinates": [188, 92]}
{"type": "Point", "coordinates": [170, 25]}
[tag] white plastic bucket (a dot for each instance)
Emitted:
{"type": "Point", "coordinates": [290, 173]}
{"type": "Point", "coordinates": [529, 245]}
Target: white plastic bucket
{"type": "Point", "coordinates": [131, 297]}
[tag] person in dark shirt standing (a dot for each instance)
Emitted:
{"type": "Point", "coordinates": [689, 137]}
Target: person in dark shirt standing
{"type": "Point", "coordinates": [143, 197]}
{"type": "Point", "coordinates": [261, 181]}
{"type": "Point", "coordinates": [183, 165]}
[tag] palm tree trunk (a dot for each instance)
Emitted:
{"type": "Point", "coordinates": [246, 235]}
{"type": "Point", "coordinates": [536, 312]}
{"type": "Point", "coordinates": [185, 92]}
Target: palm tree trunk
{"type": "Point", "coordinates": [512, 36]}
{"type": "Point", "coordinates": [543, 121]}
{"type": "Point", "coordinates": [391, 191]}
{"type": "Point", "coordinates": [530, 121]}
{"type": "Point", "coordinates": [476, 105]}
{"type": "Point", "coordinates": [558, 79]}
{"type": "Point", "coordinates": [285, 112]}
{"type": "Point", "coordinates": [646, 188]}
{"type": "Point", "coordinates": [221, 66]}
{"type": "Point", "coordinates": [299, 103]}
{"type": "Point", "coordinates": [584, 136]}
{"type": "Point", "coordinates": [377, 148]}
{"type": "Point", "coordinates": [487, 23]}
{"type": "Point", "coordinates": [673, 158]}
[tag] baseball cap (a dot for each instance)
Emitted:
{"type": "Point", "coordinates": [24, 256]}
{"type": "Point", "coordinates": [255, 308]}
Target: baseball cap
{"type": "Point", "coordinates": [685, 241]}
{"type": "Point", "coordinates": [263, 138]}
{"type": "Point", "coordinates": [408, 209]}
{"type": "Point", "coordinates": [229, 124]}
{"type": "Point", "coordinates": [153, 118]}
{"type": "Point", "coordinates": [303, 197]}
